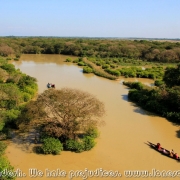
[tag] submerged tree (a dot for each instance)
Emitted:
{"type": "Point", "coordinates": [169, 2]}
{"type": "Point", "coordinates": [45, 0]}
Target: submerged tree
{"type": "Point", "coordinates": [66, 112]}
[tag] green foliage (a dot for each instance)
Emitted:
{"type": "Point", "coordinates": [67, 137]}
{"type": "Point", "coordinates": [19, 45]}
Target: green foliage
{"type": "Point", "coordinates": [16, 59]}
{"type": "Point", "coordinates": [120, 51]}
{"type": "Point", "coordinates": [76, 61]}
{"type": "Point", "coordinates": [8, 67]}
{"type": "Point", "coordinates": [26, 97]}
{"type": "Point", "coordinates": [11, 102]}
{"type": "Point", "coordinates": [92, 132]}
{"type": "Point", "coordinates": [18, 55]}
{"type": "Point", "coordinates": [76, 146]}
{"type": "Point", "coordinates": [112, 66]}
{"type": "Point", "coordinates": [87, 69]}
{"type": "Point", "coordinates": [153, 73]}
{"type": "Point", "coordinates": [158, 83]}
{"type": "Point", "coordinates": [164, 100]}
{"type": "Point", "coordinates": [98, 63]}
{"type": "Point", "coordinates": [51, 146]}
{"type": "Point", "coordinates": [29, 90]}
{"type": "Point", "coordinates": [81, 63]}
{"type": "Point", "coordinates": [68, 60]}
{"type": "Point", "coordinates": [134, 85]}
{"type": "Point", "coordinates": [11, 115]}
{"type": "Point", "coordinates": [5, 165]}
{"type": "Point", "coordinates": [2, 124]}
{"type": "Point", "coordinates": [3, 147]}
{"type": "Point", "coordinates": [98, 73]}
{"type": "Point", "coordinates": [84, 144]}
{"type": "Point", "coordinates": [113, 72]}
{"type": "Point", "coordinates": [12, 96]}
{"type": "Point", "coordinates": [88, 142]}
{"type": "Point", "coordinates": [172, 76]}
{"type": "Point", "coordinates": [106, 66]}
{"type": "Point", "coordinates": [26, 80]}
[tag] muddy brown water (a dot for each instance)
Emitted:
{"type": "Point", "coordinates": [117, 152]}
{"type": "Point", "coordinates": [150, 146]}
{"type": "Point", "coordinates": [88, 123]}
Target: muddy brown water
{"type": "Point", "coordinates": [121, 145]}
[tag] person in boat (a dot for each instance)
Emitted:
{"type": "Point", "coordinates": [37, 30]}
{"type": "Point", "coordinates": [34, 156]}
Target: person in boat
{"type": "Point", "coordinates": [48, 85]}
{"type": "Point", "coordinates": [176, 156]}
{"type": "Point", "coordinates": [172, 153]}
{"type": "Point", "coordinates": [53, 85]}
{"type": "Point", "coordinates": [158, 146]}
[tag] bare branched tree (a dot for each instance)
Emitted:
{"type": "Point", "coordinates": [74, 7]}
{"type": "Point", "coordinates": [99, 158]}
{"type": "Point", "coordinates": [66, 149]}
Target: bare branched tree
{"type": "Point", "coordinates": [68, 111]}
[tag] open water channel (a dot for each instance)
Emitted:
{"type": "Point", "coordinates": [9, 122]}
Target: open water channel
{"type": "Point", "coordinates": [121, 145]}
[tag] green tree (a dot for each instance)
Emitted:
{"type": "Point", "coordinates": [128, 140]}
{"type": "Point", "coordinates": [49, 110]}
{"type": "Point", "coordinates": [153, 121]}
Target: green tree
{"type": "Point", "coordinates": [172, 76]}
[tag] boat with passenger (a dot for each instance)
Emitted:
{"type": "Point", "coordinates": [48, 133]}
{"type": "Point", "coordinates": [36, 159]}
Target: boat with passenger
{"type": "Point", "coordinates": [50, 85]}
{"type": "Point", "coordinates": [164, 151]}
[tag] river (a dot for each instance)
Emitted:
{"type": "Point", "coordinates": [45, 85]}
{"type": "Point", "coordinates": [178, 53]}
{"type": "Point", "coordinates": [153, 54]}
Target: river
{"type": "Point", "coordinates": [121, 145]}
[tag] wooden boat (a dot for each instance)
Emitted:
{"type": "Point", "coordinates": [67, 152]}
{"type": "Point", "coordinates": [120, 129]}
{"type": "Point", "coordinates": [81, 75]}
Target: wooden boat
{"type": "Point", "coordinates": [50, 85]}
{"type": "Point", "coordinates": [154, 146]}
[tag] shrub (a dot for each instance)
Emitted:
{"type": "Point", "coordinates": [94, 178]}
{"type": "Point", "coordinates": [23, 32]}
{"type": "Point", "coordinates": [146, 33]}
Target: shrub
{"type": "Point", "coordinates": [68, 60]}
{"type": "Point", "coordinates": [3, 146]}
{"type": "Point", "coordinates": [88, 142]}
{"type": "Point", "coordinates": [76, 146]}
{"type": "Point", "coordinates": [81, 63]}
{"type": "Point", "coordinates": [98, 63]}
{"type": "Point", "coordinates": [80, 59]}
{"type": "Point", "coordinates": [11, 115]}
{"type": "Point", "coordinates": [76, 61]}
{"type": "Point", "coordinates": [105, 66]}
{"type": "Point", "coordinates": [80, 145]}
{"type": "Point", "coordinates": [18, 55]}
{"type": "Point", "coordinates": [92, 132]}
{"type": "Point", "coordinates": [16, 59]}
{"type": "Point", "coordinates": [158, 82]}
{"type": "Point", "coordinates": [113, 72]}
{"type": "Point", "coordinates": [113, 66]}
{"type": "Point", "coordinates": [87, 70]}
{"type": "Point", "coordinates": [51, 146]}
{"type": "Point", "coordinates": [5, 165]}
{"type": "Point", "coordinates": [134, 85]}
{"type": "Point", "coordinates": [8, 67]}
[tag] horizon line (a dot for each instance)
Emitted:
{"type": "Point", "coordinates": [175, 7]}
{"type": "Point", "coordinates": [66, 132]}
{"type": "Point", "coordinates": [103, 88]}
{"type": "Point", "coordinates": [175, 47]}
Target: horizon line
{"type": "Point", "coordinates": [98, 37]}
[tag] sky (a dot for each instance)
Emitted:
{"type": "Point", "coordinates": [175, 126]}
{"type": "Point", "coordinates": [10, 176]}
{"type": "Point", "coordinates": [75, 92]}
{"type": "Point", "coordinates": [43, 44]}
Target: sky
{"type": "Point", "coordinates": [91, 18]}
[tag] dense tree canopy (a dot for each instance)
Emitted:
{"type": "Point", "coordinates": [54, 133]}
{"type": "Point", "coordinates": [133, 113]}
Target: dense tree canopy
{"type": "Point", "coordinates": [103, 48]}
{"type": "Point", "coordinates": [16, 88]}
{"type": "Point", "coordinates": [172, 76]}
{"type": "Point", "coordinates": [13, 96]}
{"type": "Point", "coordinates": [164, 99]}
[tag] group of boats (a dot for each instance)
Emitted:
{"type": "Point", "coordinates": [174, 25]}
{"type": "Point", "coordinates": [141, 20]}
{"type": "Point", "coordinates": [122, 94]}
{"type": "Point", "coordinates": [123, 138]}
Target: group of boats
{"type": "Point", "coordinates": [164, 151]}
{"type": "Point", "coordinates": [50, 85]}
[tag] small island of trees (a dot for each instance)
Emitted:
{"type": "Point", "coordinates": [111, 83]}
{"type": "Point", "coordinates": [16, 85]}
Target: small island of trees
{"type": "Point", "coordinates": [65, 119]}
